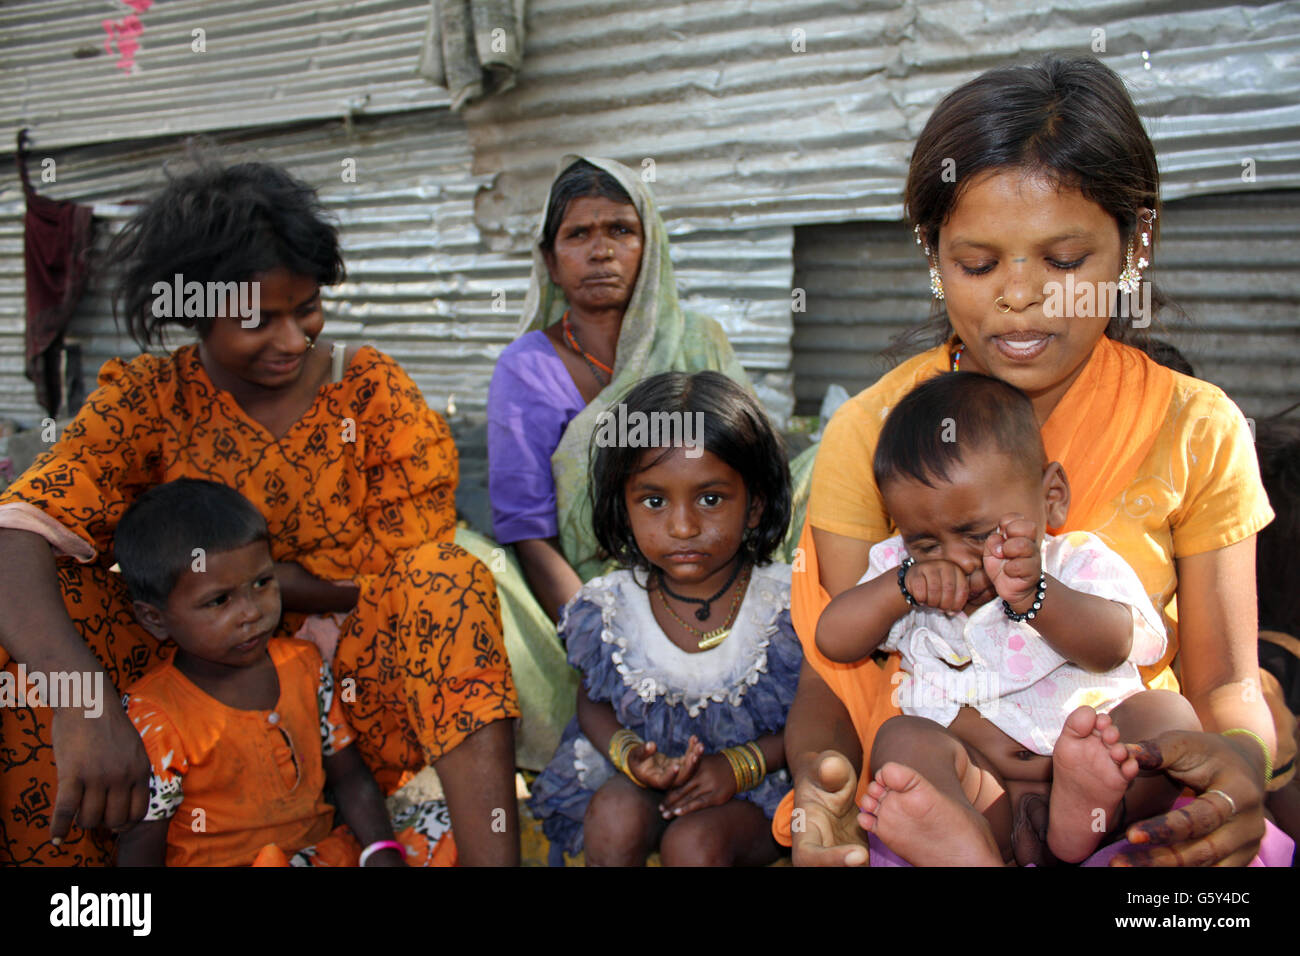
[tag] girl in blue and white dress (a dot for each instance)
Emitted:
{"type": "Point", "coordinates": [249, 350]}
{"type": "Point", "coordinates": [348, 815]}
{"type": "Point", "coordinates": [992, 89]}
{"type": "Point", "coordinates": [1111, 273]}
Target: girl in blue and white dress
{"type": "Point", "coordinates": [688, 658]}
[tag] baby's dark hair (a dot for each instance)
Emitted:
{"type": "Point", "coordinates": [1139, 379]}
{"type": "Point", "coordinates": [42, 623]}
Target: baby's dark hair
{"type": "Point", "coordinates": [578, 181]}
{"type": "Point", "coordinates": [736, 430]}
{"type": "Point", "coordinates": [156, 538]}
{"type": "Point", "coordinates": [220, 224]}
{"type": "Point", "coordinates": [942, 419]}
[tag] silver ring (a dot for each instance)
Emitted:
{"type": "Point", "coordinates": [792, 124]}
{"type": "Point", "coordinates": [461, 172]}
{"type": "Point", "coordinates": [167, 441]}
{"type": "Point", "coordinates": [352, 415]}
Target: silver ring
{"type": "Point", "coordinates": [1005, 307]}
{"type": "Point", "coordinates": [1231, 802]}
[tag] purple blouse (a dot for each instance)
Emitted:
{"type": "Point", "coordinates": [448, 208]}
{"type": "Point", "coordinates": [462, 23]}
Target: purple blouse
{"type": "Point", "coordinates": [531, 401]}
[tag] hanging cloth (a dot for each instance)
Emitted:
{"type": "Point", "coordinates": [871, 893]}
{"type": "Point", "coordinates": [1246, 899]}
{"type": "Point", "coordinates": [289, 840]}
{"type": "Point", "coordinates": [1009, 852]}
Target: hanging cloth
{"type": "Point", "coordinates": [57, 238]}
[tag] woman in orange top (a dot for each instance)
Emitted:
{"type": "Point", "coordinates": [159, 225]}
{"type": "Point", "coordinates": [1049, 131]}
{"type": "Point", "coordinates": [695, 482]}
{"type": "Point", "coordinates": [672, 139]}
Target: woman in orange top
{"type": "Point", "coordinates": [1056, 198]}
{"type": "Point", "coordinates": [354, 474]}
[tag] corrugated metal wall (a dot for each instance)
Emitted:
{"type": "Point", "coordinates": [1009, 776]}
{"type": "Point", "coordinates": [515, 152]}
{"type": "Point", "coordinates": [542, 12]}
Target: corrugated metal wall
{"type": "Point", "coordinates": [421, 284]}
{"type": "Point", "coordinates": [1231, 262]}
{"type": "Point", "coordinates": [765, 112]}
{"type": "Point", "coordinates": [265, 63]}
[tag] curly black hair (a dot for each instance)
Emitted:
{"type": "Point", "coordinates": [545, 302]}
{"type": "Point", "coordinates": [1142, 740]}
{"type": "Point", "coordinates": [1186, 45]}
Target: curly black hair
{"type": "Point", "coordinates": [736, 430]}
{"type": "Point", "coordinates": [219, 224]}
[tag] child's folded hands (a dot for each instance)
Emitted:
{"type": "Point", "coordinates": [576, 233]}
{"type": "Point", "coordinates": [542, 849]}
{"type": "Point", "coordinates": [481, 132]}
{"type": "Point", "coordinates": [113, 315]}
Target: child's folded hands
{"type": "Point", "coordinates": [713, 784]}
{"type": "Point", "coordinates": [661, 772]}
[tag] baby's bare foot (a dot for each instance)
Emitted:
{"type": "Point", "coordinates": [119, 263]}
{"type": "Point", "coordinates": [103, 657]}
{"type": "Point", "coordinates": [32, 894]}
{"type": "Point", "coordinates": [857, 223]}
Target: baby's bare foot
{"type": "Point", "coordinates": [922, 825]}
{"type": "Point", "coordinates": [1091, 771]}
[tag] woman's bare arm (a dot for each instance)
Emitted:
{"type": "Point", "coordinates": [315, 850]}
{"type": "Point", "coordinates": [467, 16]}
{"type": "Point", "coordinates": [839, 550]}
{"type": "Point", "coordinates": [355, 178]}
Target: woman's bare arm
{"type": "Point", "coordinates": [102, 767]}
{"type": "Point", "coordinates": [841, 560]}
{"type": "Point", "coordinates": [550, 576]}
{"type": "Point", "coordinates": [1218, 629]}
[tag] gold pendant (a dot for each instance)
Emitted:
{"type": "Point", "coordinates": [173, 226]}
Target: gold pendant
{"type": "Point", "coordinates": [712, 639]}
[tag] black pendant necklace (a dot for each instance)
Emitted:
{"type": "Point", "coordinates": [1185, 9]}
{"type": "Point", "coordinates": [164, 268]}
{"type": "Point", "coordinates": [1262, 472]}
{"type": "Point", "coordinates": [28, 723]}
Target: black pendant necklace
{"type": "Point", "coordinates": [701, 613]}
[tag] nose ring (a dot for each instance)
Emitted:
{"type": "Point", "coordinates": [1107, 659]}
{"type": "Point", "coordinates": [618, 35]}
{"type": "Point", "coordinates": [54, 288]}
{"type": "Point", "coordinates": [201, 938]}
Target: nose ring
{"type": "Point", "coordinates": [311, 342]}
{"type": "Point", "coordinates": [1004, 307]}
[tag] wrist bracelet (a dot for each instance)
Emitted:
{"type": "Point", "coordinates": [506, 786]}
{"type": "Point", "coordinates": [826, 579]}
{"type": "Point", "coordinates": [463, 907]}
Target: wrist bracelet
{"type": "Point", "coordinates": [1268, 757]}
{"type": "Point", "coordinates": [622, 743]}
{"type": "Point", "coordinates": [748, 765]}
{"type": "Point", "coordinates": [902, 575]}
{"type": "Point", "coordinates": [1033, 608]}
{"type": "Point", "coordinates": [378, 845]}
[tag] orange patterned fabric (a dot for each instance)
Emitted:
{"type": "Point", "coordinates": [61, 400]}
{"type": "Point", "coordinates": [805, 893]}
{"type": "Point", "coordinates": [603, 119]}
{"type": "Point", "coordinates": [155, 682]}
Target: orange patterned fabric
{"type": "Point", "coordinates": [361, 488]}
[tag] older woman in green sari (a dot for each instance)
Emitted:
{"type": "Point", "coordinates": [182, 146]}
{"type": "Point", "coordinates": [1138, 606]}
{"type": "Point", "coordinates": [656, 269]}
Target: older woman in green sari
{"type": "Point", "coordinates": [601, 314]}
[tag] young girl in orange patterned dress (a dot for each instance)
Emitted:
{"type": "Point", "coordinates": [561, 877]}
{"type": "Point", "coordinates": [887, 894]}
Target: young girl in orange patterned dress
{"type": "Point", "coordinates": [354, 475]}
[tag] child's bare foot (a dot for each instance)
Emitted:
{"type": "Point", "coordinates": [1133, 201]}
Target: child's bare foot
{"type": "Point", "coordinates": [1091, 771]}
{"type": "Point", "coordinates": [922, 825]}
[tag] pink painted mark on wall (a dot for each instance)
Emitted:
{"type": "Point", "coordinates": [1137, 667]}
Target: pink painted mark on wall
{"type": "Point", "coordinates": [125, 33]}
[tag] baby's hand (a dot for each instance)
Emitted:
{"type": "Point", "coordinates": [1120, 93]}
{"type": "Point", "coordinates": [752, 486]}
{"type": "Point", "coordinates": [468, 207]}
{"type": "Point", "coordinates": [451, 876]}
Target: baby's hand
{"type": "Point", "coordinates": [659, 772]}
{"type": "Point", "coordinates": [1013, 561]}
{"type": "Point", "coordinates": [939, 584]}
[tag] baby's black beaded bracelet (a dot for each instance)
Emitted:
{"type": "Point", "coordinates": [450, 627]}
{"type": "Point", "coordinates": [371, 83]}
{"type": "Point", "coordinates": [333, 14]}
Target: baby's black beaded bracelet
{"type": "Point", "coordinates": [902, 573]}
{"type": "Point", "coordinates": [1033, 609]}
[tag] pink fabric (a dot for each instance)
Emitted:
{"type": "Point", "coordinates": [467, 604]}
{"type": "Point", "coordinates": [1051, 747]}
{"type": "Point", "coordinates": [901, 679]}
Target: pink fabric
{"type": "Point", "coordinates": [21, 516]}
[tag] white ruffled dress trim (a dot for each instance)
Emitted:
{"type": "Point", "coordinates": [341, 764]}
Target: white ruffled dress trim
{"type": "Point", "coordinates": [654, 667]}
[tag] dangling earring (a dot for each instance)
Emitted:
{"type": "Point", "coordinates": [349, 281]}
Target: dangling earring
{"type": "Point", "coordinates": [1130, 280]}
{"type": "Point", "coordinates": [936, 281]}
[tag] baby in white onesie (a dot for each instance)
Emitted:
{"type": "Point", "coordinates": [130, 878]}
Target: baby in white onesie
{"type": "Point", "coordinates": [1020, 650]}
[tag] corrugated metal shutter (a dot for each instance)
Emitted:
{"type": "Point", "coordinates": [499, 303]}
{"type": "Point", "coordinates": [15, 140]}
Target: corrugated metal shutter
{"type": "Point", "coordinates": [1231, 262]}
{"type": "Point", "coordinates": [265, 63]}
{"type": "Point", "coordinates": [421, 285]}
{"type": "Point", "coordinates": [767, 112]}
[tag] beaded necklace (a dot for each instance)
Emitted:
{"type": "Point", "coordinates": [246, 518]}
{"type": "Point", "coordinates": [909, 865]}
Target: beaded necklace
{"type": "Point", "coordinates": [593, 363]}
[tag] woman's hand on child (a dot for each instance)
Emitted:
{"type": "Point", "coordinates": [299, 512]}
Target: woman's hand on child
{"type": "Point", "coordinates": [1013, 561]}
{"type": "Point", "coordinates": [939, 584]}
{"type": "Point", "coordinates": [660, 772]}
{"type": "Point", "coordinates": [713, 784]}
{"type": "Point", "coordinates": [1223, 826]}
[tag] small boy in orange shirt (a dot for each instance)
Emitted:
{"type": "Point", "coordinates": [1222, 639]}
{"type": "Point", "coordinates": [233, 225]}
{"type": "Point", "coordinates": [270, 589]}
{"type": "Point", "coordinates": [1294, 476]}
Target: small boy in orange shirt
{"type": "Point", "coordinates": [243, 729]}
